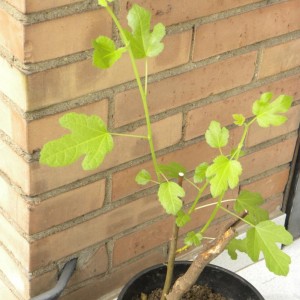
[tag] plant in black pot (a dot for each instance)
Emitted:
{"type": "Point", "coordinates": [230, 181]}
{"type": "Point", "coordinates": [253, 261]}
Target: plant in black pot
{"type": "Point", "coordinates": [89, 138]}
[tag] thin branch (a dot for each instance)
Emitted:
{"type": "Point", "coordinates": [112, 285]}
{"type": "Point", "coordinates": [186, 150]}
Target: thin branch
{"type": "Point", "coordinates": [214, 203]}
{"type": "Point", "coordinates": [130, 135]}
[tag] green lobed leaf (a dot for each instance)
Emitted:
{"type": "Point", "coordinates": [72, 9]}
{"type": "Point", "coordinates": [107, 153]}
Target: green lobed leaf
{"type": "Point", "coordinates": [143, 42]}
{"type": "Point", "coordinates": [193, 239]}
{"type": "Point", "coordinates": [88, 137]}
{"type": "Point", "coordinates": [223, 173]}
{"type": "Point", "coordinates": [172, 169]}
{"type": "Point", "coordinates": [182, 218]}
{"type": "Point", "coordinates": [263, 238]}
{"type": "Point", "coordinates": [239, 119]}
{"type": "Point", "coordinates": [169, 194]}
{"type": "Point", "coordinates": [270, 113]}
{"type": "Point", "coordinates": [236, 244]}
{"type": "Point", "coordinates": [143, 177]}
{"type": "Point", "coordinates": [251, 202]}
{"type": "Point", "coordinates": [105, 53]}
{"type": "Point", "coordinates": [215, 136]}
{"type": "Point", "coordinates": [200, 172]}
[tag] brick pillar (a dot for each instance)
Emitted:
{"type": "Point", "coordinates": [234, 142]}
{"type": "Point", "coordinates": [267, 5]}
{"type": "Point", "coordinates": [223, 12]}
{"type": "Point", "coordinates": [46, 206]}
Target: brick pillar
{"type": "Point", "coordinates": [218, 58]}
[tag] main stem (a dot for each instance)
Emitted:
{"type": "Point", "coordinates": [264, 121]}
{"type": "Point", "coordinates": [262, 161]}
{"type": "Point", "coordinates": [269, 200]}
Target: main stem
{"type": "Point", "coordinates": [172, 253]}
{"type": "Point", "coordinates": [141, 90]}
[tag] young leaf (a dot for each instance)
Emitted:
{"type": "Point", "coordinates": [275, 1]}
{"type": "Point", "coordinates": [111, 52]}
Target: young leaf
{"type": "Point", "coordinates": [236, 244]}
{"type": "Point", "coordinates": [251, 202]}
{"type": "Point", "coordinates": [269, 113]}
{"type": "Point", "coordinates": [169, 194]}
{"type": "Point", "coordinates": [172, 169]}
{"type": "Point", "coordinates": [182, 218]}
{"type": "Point", "coordinates": [239, 119]}
{"type": "Point", "coordinates": [215, 136]}
{"type": "Point", "coordinates": [143, 42]}
{"type": "Point", "coordinates": [143, 177]}
{"type": "Point", "coordinates": [223, 173]}
{"type": "Point", "coordinates": [88, 137]}
{"type": "Point", "coordinates": [104, 2]}
{"type": "Point", "coordinates": [200, 172]}
{"type": "Point", "coordinates": [193, 238]}
{"type": "Point", "coordinates": [105, 52]}
{"type": "Point", "coordinates": [263, 237]}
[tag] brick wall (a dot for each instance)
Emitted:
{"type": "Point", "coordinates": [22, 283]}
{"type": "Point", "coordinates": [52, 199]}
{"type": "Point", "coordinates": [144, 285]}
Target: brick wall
{"type": "Point", "coordinates": [219, 56]}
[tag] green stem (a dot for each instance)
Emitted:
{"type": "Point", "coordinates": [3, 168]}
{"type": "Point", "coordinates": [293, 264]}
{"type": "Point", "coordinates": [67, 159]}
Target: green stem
{"type": "Point", "coordinates": [192, 183]}
{"type": "Point", "coordinates": [214, 203]}
{"type": "Point", "coordinates": [146, 77]}
{"type": "Point", "coordinates": [130, 135]}
{"type": "Point", "coordinates": [213, 214]}
{"type": "Point", "coordinates": [141, 90]}
{"type": "Point", "coordinates": [236, 216]}
{"type": "Point", "coordinates": [193, 207]}
{"type": "Point", "coordinates": [237, 152]}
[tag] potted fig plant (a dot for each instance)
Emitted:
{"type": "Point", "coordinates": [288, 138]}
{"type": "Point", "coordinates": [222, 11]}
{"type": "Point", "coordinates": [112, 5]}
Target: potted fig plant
{"type": "Point", "coordinates": [89, 138]}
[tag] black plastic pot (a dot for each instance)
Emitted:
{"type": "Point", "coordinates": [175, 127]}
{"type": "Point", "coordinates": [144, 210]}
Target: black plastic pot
{"type": "Point", "coordinates": [220, 280]}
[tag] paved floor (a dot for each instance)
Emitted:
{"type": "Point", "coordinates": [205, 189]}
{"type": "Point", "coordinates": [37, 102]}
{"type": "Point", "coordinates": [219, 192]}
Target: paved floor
{"type": "Point", "coordinates": [274, 287]}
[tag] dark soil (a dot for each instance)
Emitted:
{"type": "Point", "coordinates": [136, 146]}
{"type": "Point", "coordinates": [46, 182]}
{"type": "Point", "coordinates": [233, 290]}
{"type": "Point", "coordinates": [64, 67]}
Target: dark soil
{"type": "Point", "coordinates": [197, 292]}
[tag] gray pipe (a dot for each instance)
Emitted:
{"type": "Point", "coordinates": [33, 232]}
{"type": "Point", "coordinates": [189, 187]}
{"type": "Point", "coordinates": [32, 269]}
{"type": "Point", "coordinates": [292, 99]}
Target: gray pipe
{"type": "Point", "coordinates": [62, 282]}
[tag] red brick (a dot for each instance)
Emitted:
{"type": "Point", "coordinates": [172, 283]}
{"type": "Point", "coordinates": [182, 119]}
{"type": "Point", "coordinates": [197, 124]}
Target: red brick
{"type": "Point", "coordinates": [269, 186]}
{"type": "Point", "coordinates": [245, 29]}
{"type": "Point", "coordinates": [15, 275]}
{"type": "Point", "coordinates": [268, 158]}
{"type": "Point", "coordinates": [172, 12]}
{"type": "Point", "coordinates": [142, 241]}
{"type": "Point", "coordinates": [274, 206]}
{"type": "Point", "coordinates": [13, 124]}
{"type": "Point", "coordinates": [20, 173]}
{"type": "Point", "coordinates": [53, 38]}
{"type": "Point", "coordinates": [28, 6]}
{"type": "Point", "coordinates": [6, 293]}
{"type": "Point", "coordinates": [13, 83]}
{"type": "Point", "coordinates": [43, 283]}
{"type": "Point", "coordinates": [280, 58]}
{"type": "Point", "coordinates": [198, 119]}
{"type": "Point", "coordinates": [101, 286]}
{"type": "Point", "coordinates": [57, 37]}
{"type": "Point", "coordinates": [66, 206]}
{"type": "Point", "coordinates": [54, 85]}
{"type": "Point", "coordinates": [14, 205]}
{"type": "Point", "coordinates": [14, 242]}
{"type": "Point", "coordinates": [67, 242]}
{"type": "Point", "coordinates": [187, 87]}
{"type": "Point", "coordinates": [90, 265]}
{"type": "Point", "coordinates": [11, 34]}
